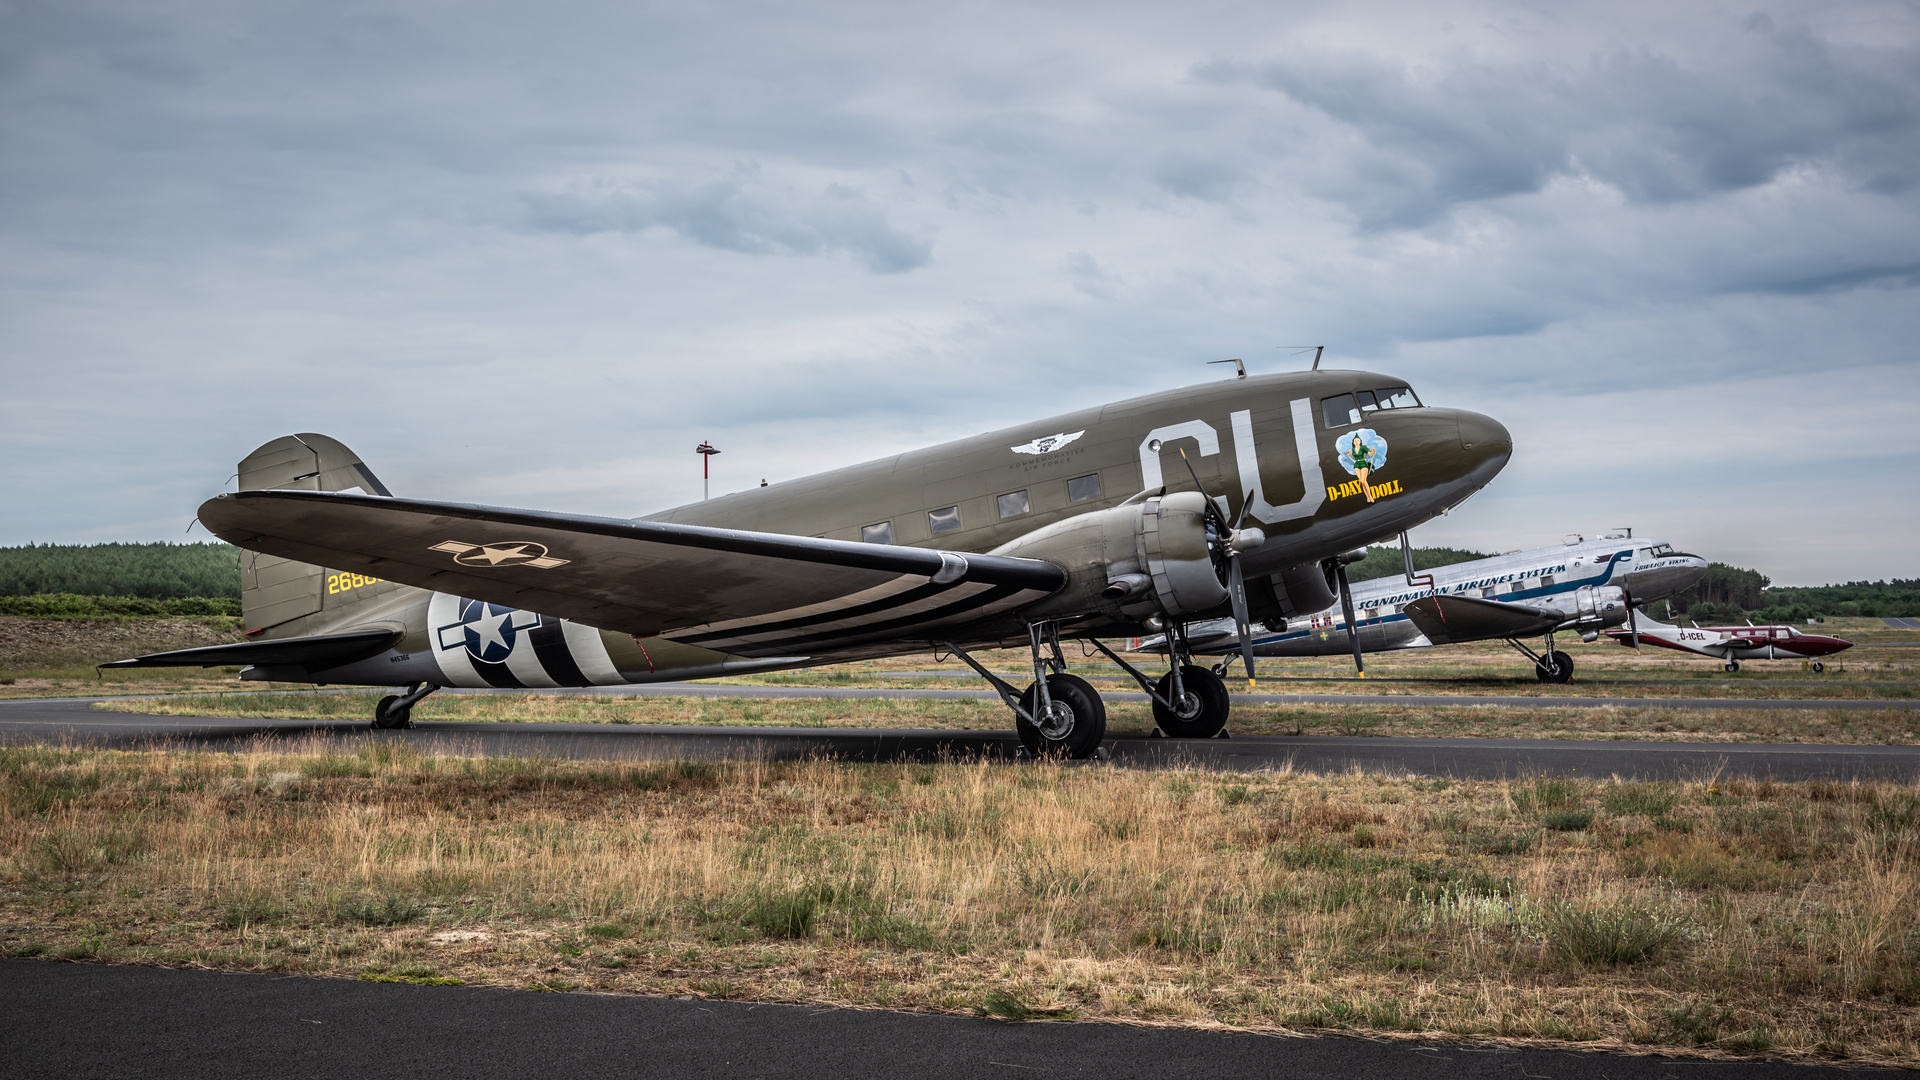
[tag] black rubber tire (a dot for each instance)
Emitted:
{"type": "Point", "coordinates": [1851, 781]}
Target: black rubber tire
{"type": "Point", "coordinates": [1557, 668]}
{"type": "Point", "coordinates": [386, 716]}
{"type": "Point", "coordinates": [1214, 704]}
{"type": "Point", "coordinates": [1731, 666]}
{"type": "Point", "coordinates": [1089, 719]}
{"type": "Point", "coordinates": [1819, 667]}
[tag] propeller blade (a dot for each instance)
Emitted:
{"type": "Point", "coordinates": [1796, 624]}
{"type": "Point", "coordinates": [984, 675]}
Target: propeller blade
{"type": "Point", "coordinates": [1346, 608]}
{"type": "Point", "coordinates": [1237, 591]}
{"type": "Point", "coordinates": [1633, 621]}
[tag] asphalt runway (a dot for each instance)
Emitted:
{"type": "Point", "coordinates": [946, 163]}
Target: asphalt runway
{"type": "Point", "coordinates": [72, 720]}
{"type": "Point", "coordinates": [85, 1020]}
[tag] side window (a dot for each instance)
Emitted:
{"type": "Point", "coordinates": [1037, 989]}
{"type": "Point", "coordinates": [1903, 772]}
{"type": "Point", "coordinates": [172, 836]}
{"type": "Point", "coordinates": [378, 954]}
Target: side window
{"type": "Point", "coordinates": [1367, 403]}
{"type": "Point", "coordinates": [878, 534]}
{"type": "Point", "coordinates": [1340, 411]}
{"type": "Point", "coordinates": [944, 520]}
{"type": "Point", "coordinates": [1013, 504]}
{"type": "Point", "coordinates": [1082, 488]}
{"type": "Point", "coordinates": [1398, 397]}
{"type": "Point", "coordinates": [1546, 581]}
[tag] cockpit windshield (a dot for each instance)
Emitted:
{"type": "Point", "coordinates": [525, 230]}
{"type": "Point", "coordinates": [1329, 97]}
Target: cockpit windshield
{"type": "Point", "coordinates": [1349, 408]}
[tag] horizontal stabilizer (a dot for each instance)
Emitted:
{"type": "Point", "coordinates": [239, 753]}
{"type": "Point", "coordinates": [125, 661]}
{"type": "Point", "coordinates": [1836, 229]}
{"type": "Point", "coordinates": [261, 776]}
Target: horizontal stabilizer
{"type": "Point", "coordinates": [323, 651]}
{"type": "Point", "coordinates": [1449, 620]}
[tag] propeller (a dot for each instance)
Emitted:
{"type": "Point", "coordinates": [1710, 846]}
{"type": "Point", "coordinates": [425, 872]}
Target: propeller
{"type": "Point", "coordinates": [1228, 545]}
{"type": "Point", "coordinates": [1633, 621]}
{"type": "Point", "coordinates": [1346, 608]}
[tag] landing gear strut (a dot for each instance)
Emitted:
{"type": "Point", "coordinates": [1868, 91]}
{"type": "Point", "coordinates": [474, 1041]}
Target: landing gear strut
{"type": "Point", "coordinates": [1060, 715]}
{"type": "Point", "coordinates": [1189, 701]}
{"type": "Point", "coordinates": [1551, 666]}
{"type": "Point", "coordinates": [396, 710]}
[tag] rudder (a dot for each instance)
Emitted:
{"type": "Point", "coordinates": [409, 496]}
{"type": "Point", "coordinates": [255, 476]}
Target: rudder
{"type": "Point", "coordinates": [276, 591]}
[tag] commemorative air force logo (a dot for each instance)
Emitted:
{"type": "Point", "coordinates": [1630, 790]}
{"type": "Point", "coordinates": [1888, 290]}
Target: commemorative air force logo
{"type": "Point", "coordinates": [488, 631]}
{"type": "Point", "coordinates": [1048, 444]}
{"type": "Point", "coordinates": [518, 553]}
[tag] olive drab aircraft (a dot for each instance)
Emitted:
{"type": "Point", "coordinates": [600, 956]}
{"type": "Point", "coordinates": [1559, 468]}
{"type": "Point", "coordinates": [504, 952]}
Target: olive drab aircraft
{"type": "Point", "coordinates": [1583, 587]}
{"type": "Point", "coordinates": [1227, 499]}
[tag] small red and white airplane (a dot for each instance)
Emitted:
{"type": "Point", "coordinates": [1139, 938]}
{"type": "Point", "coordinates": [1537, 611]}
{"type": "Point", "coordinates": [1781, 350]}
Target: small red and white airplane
{"type": "Point", "coordinates": [1732, 644]}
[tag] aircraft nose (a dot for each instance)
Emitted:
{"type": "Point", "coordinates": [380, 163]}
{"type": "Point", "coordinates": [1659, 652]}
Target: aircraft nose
{"type": "Point", "coordinates": [1484, 434]}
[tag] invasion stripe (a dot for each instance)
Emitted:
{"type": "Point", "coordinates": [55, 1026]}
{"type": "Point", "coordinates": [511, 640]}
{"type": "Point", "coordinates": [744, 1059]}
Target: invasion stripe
{"type": "Point", "coordinates": [999, 592]}
{"type": "Point", "coordinates": [897, 600]}
{"type": "Point", "coordinates": [549, 641]}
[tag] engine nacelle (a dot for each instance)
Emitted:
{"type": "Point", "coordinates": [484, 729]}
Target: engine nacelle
{"type": "Point", "coordinates": [1136, 560]}
{"type": "Point", "coordinates": [1590, 607]}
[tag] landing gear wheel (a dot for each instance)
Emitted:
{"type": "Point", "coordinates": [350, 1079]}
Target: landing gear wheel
{"type": "Point", "coordinates": [1554, 667]}
{"type": "Point", "coordinates": [1076, 726]}
{"type": "Point", "coordinates": [1204, 711]}
{"type": "Point", "coordinates": [1818, 666]}
{"type": "Point", "coordinates": [386, 716]}
{"type": "Point", "coordinates": [1219, 669]}
{"type": "Point", "coordinates": [1732, 665]}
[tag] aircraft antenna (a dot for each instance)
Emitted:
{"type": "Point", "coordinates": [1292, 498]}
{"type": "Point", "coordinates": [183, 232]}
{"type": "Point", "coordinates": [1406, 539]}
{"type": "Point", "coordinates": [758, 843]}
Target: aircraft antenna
{"type": "Point", "coordinates": [1238, 365]}
{"type": "Point", "coordinates": [706, 450]}
{"type": "Point", "coordinates": [1317, 350]}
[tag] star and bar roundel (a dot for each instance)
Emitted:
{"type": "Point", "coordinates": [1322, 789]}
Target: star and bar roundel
{"type": "Point", "coordinates": [517, 553]}
{"type": "Point", "coordinates": [488, 631]}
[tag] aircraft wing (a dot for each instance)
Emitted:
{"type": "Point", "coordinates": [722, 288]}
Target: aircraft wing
{"type": "Point", "coordinates": [1449, 620]}
{"type": "Point", "coordinates": [721, 588]}
{"type": "Point", "coordinates": [326, 650]}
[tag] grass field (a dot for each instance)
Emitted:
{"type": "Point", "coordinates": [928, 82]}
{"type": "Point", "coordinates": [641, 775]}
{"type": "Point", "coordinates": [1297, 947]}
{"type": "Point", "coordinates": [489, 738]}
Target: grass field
{"type": "Point", "coordinates": [1730, 918]}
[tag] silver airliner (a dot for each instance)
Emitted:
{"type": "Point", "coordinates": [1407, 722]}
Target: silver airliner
{"type": "Point", "coordinates": [1582, 586]}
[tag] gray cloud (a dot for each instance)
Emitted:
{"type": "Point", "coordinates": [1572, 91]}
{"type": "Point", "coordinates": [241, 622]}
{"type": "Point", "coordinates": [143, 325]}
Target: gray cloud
{"type": "Point", "coordinates": [515, 255]}
{"type": "Point", "coordinates": [740, 213]}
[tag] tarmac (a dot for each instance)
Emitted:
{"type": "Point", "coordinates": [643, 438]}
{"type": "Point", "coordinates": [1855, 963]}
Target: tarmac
{"type": "Point", "coordinates": [73, 720]}
{"type": "Point", "coordinates": [72, 1021]}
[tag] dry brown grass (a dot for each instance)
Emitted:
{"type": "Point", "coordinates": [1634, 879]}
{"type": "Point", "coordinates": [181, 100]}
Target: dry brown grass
{"type": "Point", "coordinates": [1736, 917]}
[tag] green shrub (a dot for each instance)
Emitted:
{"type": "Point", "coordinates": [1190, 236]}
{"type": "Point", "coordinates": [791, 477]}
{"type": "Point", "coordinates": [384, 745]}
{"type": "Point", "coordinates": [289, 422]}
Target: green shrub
{"type": "Point", "coordinates": [1650, 799]}
{"type": "Point", "coordinates": [1568, 820]}
{"type": "Point", "coordinates": [1609, 935]}
{"type": "Point", "coordinates": [389, 910]}
{"type": "Point", "coordinates": [782, 915]}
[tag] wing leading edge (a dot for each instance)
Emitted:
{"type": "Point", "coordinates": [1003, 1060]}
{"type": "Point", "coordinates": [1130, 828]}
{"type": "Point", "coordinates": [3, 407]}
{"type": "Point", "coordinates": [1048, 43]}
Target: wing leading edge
{"type": "Point", "coordinates": [747, 592]}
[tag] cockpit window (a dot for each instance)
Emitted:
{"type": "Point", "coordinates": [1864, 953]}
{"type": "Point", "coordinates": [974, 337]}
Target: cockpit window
{"type": "Point", "coordinates": [1367, 402]}
{"type": "Point", "coordinates": [1661, 549]}
{"type": "Point", "coordinates": [1340, 411]}
{"type": "Point", "coordinates": [1398, 397]}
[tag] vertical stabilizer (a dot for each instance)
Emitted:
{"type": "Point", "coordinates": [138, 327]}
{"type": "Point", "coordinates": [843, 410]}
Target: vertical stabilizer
{"type": "Point", "coordinates": [274, 591]}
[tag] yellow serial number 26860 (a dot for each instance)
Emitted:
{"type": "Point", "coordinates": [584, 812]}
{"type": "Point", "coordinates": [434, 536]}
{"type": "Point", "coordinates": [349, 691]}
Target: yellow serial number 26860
{"type": "Point", "coordinates": [339, 583]}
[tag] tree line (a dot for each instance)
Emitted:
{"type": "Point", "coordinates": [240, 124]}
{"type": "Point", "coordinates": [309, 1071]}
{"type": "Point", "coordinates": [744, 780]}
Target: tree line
{"type": "Point", "coordinates": [150, 571]}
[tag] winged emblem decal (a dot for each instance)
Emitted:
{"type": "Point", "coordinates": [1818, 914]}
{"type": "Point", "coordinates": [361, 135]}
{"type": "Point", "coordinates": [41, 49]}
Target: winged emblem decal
{"type": "Point", "coordinates": [1048, 444]}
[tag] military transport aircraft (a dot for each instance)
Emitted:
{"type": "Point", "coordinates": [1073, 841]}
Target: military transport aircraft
{"type": "Point", "coordinates": [1140, 516]}
{"type": "Point", "coordinates": [1732, 644]}
{"type": "Point", "coordinates": [1583, 587]}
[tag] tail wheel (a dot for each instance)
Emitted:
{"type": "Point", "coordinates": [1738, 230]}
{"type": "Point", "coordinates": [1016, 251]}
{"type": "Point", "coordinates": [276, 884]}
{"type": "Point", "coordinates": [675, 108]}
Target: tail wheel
{"type": "Point", "coordinates": [1554, 667]}
{"type": "Point", "coordinates": [1075, 727]}
{"type": "Point", "coordinates": [1202, 713]}
{"type": "Point", "coordinates": [386, 716]}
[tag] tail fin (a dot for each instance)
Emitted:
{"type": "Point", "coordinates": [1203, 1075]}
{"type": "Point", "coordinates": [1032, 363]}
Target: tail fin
{"type": "Point", "coordinates": [276, 591]}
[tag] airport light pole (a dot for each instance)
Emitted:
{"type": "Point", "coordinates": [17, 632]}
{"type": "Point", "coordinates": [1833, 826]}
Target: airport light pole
{"type": "Point", "coordinates": [706, 451]}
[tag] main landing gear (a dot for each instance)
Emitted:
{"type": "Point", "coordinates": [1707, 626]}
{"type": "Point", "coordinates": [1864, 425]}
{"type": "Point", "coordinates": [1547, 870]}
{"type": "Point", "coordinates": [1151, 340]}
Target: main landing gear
{"type": "Point", "coordinates": [1062, 716]}
{"type": "Point", "coordinates": [1552, 666]}
{"type": "Point", "coordinates": [396, 710]}
{"type": "Point", "coordinates": [1731, 666]}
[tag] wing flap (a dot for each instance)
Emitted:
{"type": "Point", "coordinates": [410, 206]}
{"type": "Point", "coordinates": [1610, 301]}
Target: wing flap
{"type": "Point", "coordinates": [325, 650]}
{"type": "Point", "coordinates": [1449, 620]}
{"type": "Point", "coordinates": [637, 577]}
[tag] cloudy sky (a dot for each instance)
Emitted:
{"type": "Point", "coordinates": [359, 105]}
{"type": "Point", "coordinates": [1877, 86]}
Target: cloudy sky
{"type": "Point", "coordinates": [532, 254]}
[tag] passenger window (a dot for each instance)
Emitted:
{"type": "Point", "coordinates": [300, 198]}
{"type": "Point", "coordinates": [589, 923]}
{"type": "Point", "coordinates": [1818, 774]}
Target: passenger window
{"type": "Point", "coordinates": [1082, 488]}
{"type": "Point", "coordinates": [1398, 397]}
{"type": "Point", "coordinates": [1340, 411]}
{"type": "Point", "coordinates": [877, 534]}
{"type": "Point", "coordinates": [1546, 581]}
{"type": "Point", "coordinates": [943, 521]}
{"type": "Point", "coordinates": [1367, 404]}
{"type": "Point", "coordinates": [1013, 504]}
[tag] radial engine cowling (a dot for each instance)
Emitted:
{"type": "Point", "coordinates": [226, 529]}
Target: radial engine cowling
{"type": "Point", "coordinates": [1152, 557]}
